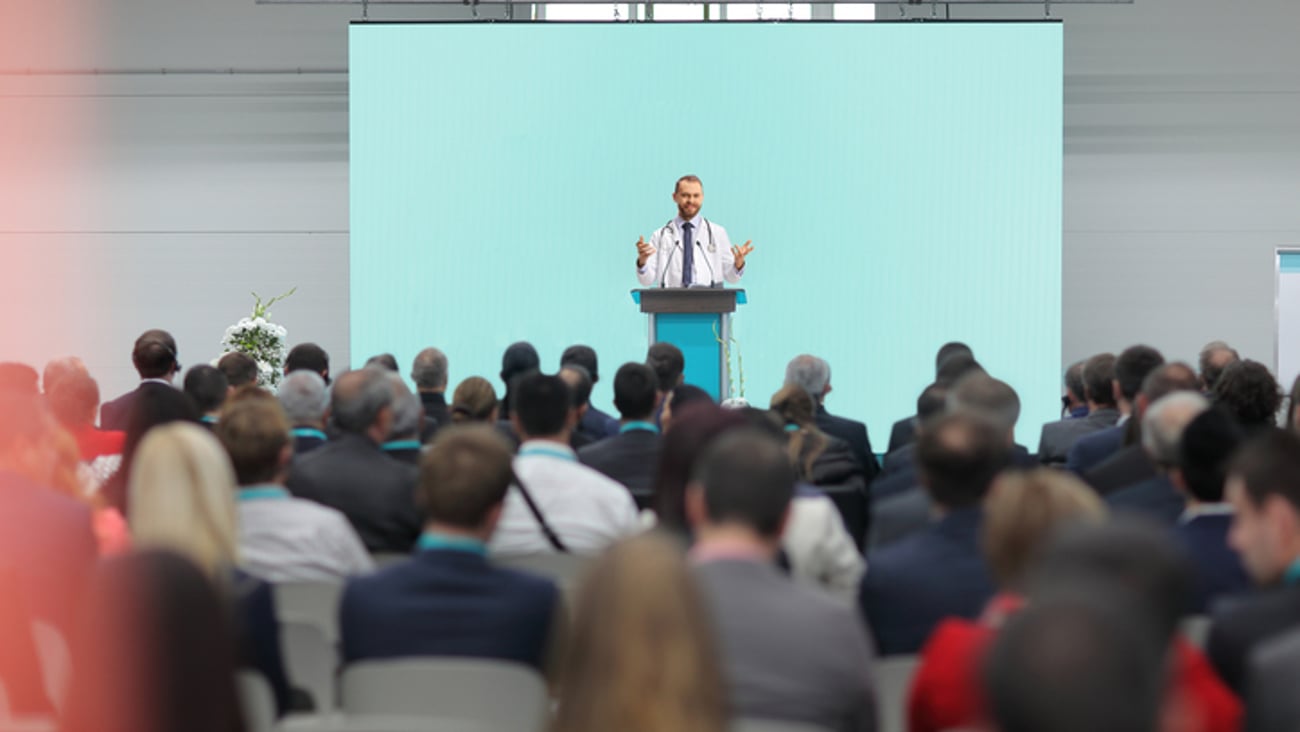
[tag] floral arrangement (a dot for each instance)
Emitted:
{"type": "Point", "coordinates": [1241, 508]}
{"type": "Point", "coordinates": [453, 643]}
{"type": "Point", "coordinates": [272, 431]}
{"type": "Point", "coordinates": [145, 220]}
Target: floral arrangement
{"type": "Point", "coordinates": [260, 339]}
{"type": "Point", "coordinates": [731, 347]}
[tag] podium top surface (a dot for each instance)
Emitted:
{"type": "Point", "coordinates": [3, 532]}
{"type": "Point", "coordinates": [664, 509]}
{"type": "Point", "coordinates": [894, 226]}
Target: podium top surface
{"type": "Point", "coordinates": [689, 299]}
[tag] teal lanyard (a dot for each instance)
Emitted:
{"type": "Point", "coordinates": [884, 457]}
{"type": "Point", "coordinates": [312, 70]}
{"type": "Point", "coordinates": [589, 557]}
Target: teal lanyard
{"type": "Point", "coordinates": [638, 427]}
{"type": "Point", "coordinates": [430, 541]}
{"type": "Point", "coordinates": [263, 493]}
{"type": "Point", "coordinates": [396, 445]}
{"type": "Point", "coordinates": [554, 452]}
{"type": "Point", "coordinates": [208, 419]}
{"type": "Point", "coordinates": [309, 432]}
{"type": "Point", "coordinates": [1292, 574]}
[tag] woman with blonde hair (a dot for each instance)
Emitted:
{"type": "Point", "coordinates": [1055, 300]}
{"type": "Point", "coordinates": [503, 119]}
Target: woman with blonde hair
{"type": "Point", "coordinates": [182, 499]}
{"type": "Point", "coordinates": [642, 656]}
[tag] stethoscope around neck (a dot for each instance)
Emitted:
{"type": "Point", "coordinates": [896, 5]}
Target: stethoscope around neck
{"type": "Point", "coordinates": [712, 248]}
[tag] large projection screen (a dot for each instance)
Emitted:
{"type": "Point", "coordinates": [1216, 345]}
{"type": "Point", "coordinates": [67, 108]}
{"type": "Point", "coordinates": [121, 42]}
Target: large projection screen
{"type": "Point", "coordinates": [901, 184]}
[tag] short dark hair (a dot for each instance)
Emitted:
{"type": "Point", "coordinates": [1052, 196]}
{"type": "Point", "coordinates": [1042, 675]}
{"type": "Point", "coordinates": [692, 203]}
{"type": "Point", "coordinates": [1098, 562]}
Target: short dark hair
{"type": "Point", "coordinates": [959, 455]}
{"type": "Point", "coordinates": [950, 349]}
{"type": "Point", "coordinates": [308, 357]}
{"type": "Point", "coordinates": [1132, 366]}
{"type": "Point", "coordinates": [207, 386]}
{"type": "Point", "coordinates": [584, 356]}
{"type": "Point", "coordinates": [154, 354]}
{"type": "Point", "coordinates": [1269, 464]}
{"type": "Point", "coordinates": [579, 384]}
{"type": "Point", "coordinates": [635, 389]}
{"type": "Point", "coordinates": [254, 433]}
{"type": "Point", "coordinates": [747, 478]}
{"type": "Point", "coordinates": [955, 367]}
{"type": "Point", "coordinates": [542, 403]}
{"type": "Point", "coordinates": [464, 473]}
{"type": "Point", "coordinates": [688, 178]}
{"type": "Point", "coordinates": [1167, 379]}
{"type": "Point", "coordinates": [386, 361]}
{"type": "Point", "coordinates": [1250, 393]}
{"type": "Point", "coordinates": [668, 364]}
{"type": "Point", "coordinates": [240, 369]}
{"type": "Point", "coordinates": [1208, 443]}
{"type": "Point", "coordinates": [1074, 380]}
{"type": "Point", "coordinates": [1098, 375]}
{"type": "Point", "coordinates": [685, 394]}
{"type": "Point", "coordinates": [519, 358]}
{"type": "Point", "coordinates": [932, 402]}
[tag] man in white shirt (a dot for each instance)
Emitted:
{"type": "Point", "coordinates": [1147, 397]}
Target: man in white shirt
{"type": "Point", "coordinates": [282, 538]}
{"type": "Point", "coordinates": [574, 508]}
{"type": "Point", "coordinates": [690, 249]}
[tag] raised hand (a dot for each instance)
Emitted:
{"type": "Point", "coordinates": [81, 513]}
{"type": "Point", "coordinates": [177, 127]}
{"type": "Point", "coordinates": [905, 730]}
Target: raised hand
{"type": "Point", "coordinates": [741, 252]}
{"type": "Point", "coordinates": [643, 251]}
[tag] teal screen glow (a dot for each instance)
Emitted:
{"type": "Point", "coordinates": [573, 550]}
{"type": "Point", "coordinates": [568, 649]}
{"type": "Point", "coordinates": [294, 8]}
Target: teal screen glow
{"type": "Point", "coordinates": [901, 183]}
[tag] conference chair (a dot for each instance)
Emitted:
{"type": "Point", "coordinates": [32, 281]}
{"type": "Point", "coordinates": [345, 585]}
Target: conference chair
{"type": "Point", "coordinates": [774, 725]}
{"type": "Point", "coordinates": [257, 700]}
{"type": "Point", "coordinates": [893, 676]}
{"type": "Point", "coordinates": [1196, 629]}
{"type": "Point", "coordinates": [310, 603]}
{"type": "Point", "coordinates": [566, 570]}
{"type": "Point", "coordinates": [312, 663]}
{"type": "Point", "coordinates": [460, 689]}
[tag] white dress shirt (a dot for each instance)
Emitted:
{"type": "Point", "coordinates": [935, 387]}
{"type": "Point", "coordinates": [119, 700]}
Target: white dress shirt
{"type": "Point", "coordinates": [714, 260]}
{"type": "Point", "coordinates": [820, 549]}
{"type": "Point", "coordinates": [287, 539]}
{"type": "Point", "coordinates": [587, 510]}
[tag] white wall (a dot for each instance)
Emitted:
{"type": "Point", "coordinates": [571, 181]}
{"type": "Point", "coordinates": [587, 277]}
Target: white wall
{"type": "Point", "coordinates": [184, 191]}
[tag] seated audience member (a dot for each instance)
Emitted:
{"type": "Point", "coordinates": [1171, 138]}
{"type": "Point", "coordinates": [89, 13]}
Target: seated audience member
{"type": "Point", "coordinates": [46, 540]}
{"type": "Point", "coordinates": [911, 510]}
{"type": "Point", "coordinates": [899, 470]}
{"type": "Point", "coordinates": [73, 400]}
{"type": "Point", "coordinates": [1215, 356]}
{"type": "Point", "coordinates": [351, 474]}
{"type": "Point", "coordinates": [57, 368]}
{"type": "Point", "coordinates": [631, 455]}
{"type": "Point", "coordinates": [519, 359]}
{"type": "Point", "coordinates": [447, 599]}
{"type": "Point", "coordinates": [1073, 663]}
{"type": "Point", "coordinates": [1293, 407]}
{"type": "Point", "coordinates": [820, 460]}
{"type": "Point", "coordinates": [429, 372]}
{"type": "Point", "coordinates": [183, 500]}
{"type": "Point", "coordinates": [1250, 394]}
{"type": "Point", "coordinates": [306, 402]}
{"type": "Point", "coordinates": [154, 357]}
{"type": "Point", "coordinates": [1130, 565]}
{"type": "Point", "coordinates": [19, 378]}
{"type": "Point", "coordinates": [403, 441]}
{"type": "Point", "coordinates": [813, 375]}
{"type": "Point", "coordinates": [569, 506]}
{"type": "Point", "coordinates": [1022, 512]}
{"type": "Point", "coordinates": [1058, 437]}
{"type": "Point", "coordinates": [1131, 369]}
{"type": "Point", "coordinates": [680, 397]}
{"type": "Point", "coordinates": [738, 503]}
{"type": "Point", "coordinates": [1073, 403]}
{"type": "Point", "coordinates": [1263, 487]}
{"type": "Point", "coordinates": [1131, 464]}
{"type": "Point", "coordinates": [282, 538]}
{"type": "Point", "coordinates": [643, 657]}
{"type": "Point", "coordinates": [152, 405]}
{"type": "Point", "coordinates": [579, 383]}
{"type": "Point", "coordinates": [694, 427]}
{"type": "Point", "coordinates": [240, 369]}
{"type": "Point", "coordinates": [1207, 445]}
{"type": "Point", "coordinates": [1162, 431]}
{"type": "Point", "coordinates": [474, 401]}
{"type": "Point", "coordinates": [382, 361]}
{"type": "Point", "coordinates": [308, 357]}
{"type": "Point", "coordinates": [208, 387]}
{"type": "Point", "coordinates": [669, 365]}
{"type": "Point", "coordinates": [594, 422]}
{"type": "Point", "coordinates": [155, 651]}
{"type": "Point", "coordinates": [937, 572]}
{"type": "Point", "coordinates": [951, 362]}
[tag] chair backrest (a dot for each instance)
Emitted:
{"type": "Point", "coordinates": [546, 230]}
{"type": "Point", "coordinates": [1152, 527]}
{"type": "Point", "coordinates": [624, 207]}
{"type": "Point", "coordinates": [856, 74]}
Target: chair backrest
{"type": "Point", "coordinates": [506, 697]}
{"type": "Point", "coordinates": [1196, 629]}
{"type": "Point", "coordinates": [310, 603]}
{"type": "Point", "coordinates": [773, 725]}
{"type": "Point", "coordinates": [258, 701]}
{"type": "Point", "coordinates": [312, 662]}
{"type": "Point", "coordinates": [403, 724]}
{"type": "Point", "coordinates": [893, 676]}
{"type": "Point", "coordinates": [1271, 702]}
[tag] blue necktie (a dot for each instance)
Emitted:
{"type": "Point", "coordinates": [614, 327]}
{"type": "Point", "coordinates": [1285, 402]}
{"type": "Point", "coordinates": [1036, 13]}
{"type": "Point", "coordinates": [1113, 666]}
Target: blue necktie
{"type": "Point", "coordinates": [688, 255]}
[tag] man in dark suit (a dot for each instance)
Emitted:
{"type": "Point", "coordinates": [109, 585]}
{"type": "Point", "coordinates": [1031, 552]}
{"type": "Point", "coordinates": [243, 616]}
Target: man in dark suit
{"type": "Point", "coordinates": [403, 442]}
{"type": "Point", "coordinates": [813, 375]}
{"type": "Point", "coordinates": [1131, 369]}
{"type": "Point", "coordinates": [788, 650]}
{"type": "Point", "coordinates": [632, 456]}
{"type": "Point", "coordinates": [447, 599]}
{"type": "Point", "coordinates": [938, 572]}
{"type": "Point", "coordinates": [1131, 465]}
{"type": "Point", "coordinates": [1058, 437]}
{"type": "Point", "coordinates": [351, 474]}
{"type": "Point", "coordinates": [429, 372]}
{"type": "Point", "coordinates": [952, 361]}
{"type": "Point", "coordinates": [1162, 431]}
{"type": "Point", "coordinates": [306, 403]}
{"type": "Point", "coordinates": [1263, 487]}
{"type": "Point", "coordinates": [154, 357]}
{"type": "Point", "coordinates": [594, 422]}
{"type": "Point", "coordinates": [308, 357]}
{"type": "Point", "coordinates": [208, 387]}
{"type": "Point", "coordinates": [899, 471]}
{"type": "Point", "coordinates": [579, 383]}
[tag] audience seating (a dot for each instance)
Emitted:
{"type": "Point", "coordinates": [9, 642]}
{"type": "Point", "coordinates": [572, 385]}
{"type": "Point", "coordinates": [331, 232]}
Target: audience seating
{"type": "Point", "coordinates": [893, 680]}
{"type": "Point", "coordinates": [773, 725]}
{"type": "Point", "coordinates": [311, 662]}
{"type": "Point", "coordinates": [311, 603]}
{"type": "Point", "coordinates": [257, 700]}
{"type": "Point", "coordinates": [501, 696]}
{"type": "Point", "coordinates": [565, 570]}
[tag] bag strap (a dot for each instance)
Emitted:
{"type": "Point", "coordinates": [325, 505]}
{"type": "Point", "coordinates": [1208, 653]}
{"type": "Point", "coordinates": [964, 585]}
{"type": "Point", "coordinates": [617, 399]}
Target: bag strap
{"type": "Point", "coordinates": [547, 531]}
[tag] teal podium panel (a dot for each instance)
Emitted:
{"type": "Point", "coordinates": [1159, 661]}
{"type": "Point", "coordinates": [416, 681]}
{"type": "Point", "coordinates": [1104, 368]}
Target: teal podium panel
{"type": "Point", "coordinates": [697, 321]}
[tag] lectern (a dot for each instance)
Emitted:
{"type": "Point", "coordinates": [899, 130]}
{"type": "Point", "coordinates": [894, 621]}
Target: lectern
{"type": "Point", "coordinates": [698, 321]}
